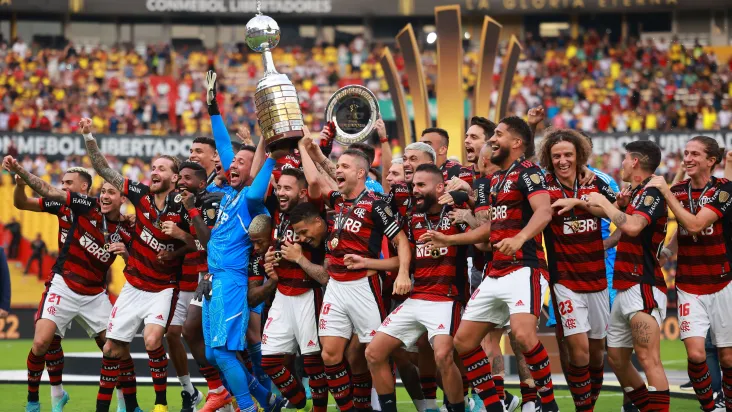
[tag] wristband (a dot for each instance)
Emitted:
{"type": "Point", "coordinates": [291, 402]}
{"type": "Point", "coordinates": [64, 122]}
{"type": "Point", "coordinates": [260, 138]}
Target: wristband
{"type": "Point", "coordinates": [384, 139]}
{"type": "Point", "coordinates": [88, 137]}
{"type": "Point", "coordinates": [193, 213]}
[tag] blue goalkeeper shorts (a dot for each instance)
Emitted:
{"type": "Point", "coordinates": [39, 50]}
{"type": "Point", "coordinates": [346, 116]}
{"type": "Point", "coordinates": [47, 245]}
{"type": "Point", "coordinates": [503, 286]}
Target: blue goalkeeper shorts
{"type": "Point", "coordinates": [226, 315]}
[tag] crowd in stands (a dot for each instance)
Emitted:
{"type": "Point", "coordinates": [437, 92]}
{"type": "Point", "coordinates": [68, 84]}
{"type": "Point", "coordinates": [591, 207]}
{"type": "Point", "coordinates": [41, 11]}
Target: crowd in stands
{"type": "Point", "coordinates": [588, 83]}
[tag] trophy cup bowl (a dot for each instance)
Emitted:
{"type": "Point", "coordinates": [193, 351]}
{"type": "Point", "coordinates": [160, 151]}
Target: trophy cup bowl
{"type": "Point", "coordinates": [354, 110]}
{"type": "Point", "coordinates": [278, 108]}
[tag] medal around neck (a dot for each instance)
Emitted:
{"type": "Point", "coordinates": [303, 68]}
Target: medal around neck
{"type": "Point", "coordinates": [278, 108]}
{"type": "Point", "coordinates": [354, 109]}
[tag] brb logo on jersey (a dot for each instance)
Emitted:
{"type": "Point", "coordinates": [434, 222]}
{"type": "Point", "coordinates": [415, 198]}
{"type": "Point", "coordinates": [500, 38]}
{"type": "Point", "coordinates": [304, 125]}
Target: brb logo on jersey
{"type": "Point", "coordinates": [151, 241]}
{"type": "Point", "coordinates": [92, 247]}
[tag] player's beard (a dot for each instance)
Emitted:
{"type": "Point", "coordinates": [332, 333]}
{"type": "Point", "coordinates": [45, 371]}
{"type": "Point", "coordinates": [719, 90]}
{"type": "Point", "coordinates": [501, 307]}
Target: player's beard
{"type": "Point", "coordinates": [500, 155]}
{"type": "Point", "coordinates": [289, 205]}
{"type": "Point", "coordinates": [429, 200]}
{"type": "Point", "coordinates": [163, 187]}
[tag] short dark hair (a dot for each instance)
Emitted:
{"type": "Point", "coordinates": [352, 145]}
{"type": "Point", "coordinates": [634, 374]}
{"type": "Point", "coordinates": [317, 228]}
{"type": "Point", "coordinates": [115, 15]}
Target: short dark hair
{"type": "Point", "coordinates": [488, 126]}
{"type": "Point", "coordinates": [83, 173]}
{"type": "Point", "coordinates": [175, 160]}
{"type": "Point", "coordinates": [248, 148]}
{"type": "Point", "coordinates": [647, 152]}
{"type": "Point", "coordinates": [205, 140]}
{"type": "Point", "coordinates": [711, 148]}
{"type": "Point", "coordinates": [297, 174]}
{"type": "Point", "coordinates": [430, 168]}
{"type": "Point", "coordinates": [367, 149]}
{"type": "Point", "coordinates": [441, 132]}
{"type": "Point", "coordinates": [198, 170]}
{"type": "Point", "coordinates": [304, 211]}
{"type": "Point", "coordinates": [359, 154]}
{"type": "Point", "coordinates": [519, 126]}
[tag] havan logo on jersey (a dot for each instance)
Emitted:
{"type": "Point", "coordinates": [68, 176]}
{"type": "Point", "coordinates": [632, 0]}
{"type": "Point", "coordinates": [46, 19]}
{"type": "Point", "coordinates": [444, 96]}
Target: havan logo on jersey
{"type": "Point", "coordinates": [94, 249]}
{"type": "Point", "coordinates": [153, 242]}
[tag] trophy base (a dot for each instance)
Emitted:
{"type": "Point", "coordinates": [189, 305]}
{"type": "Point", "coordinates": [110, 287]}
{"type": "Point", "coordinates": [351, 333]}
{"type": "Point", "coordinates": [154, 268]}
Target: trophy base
{"type": "Point", "coordinates": [285, 141]}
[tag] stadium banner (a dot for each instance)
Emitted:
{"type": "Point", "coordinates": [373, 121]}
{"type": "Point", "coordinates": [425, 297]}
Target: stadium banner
{"type": "Point", "coordinates": [56, 146]}
{"type": "Point", "coordinates": [669, 142]}
{"type": "Point", "coordinates": [336, 8]}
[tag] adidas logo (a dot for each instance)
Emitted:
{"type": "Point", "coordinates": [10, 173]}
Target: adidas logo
{"type": "Point", "coordinates": [520, 303]}
{"type": "Point", "coordinates": [64, 218]}
{"type": "Point", "coordinates": [311, 344]}
{"type": "Point", "coordinates": [418, 225]}
{"type": "Point", "coordinates": [147, 215]}
{"type": "Point", "coordinates": [373, 333]}
{"type": "Point", "coordinates": [159, 317]}
{"type": "Point", "coordinates": [441, 327]}
{"type": "Point", "coordinates": [94, 223]}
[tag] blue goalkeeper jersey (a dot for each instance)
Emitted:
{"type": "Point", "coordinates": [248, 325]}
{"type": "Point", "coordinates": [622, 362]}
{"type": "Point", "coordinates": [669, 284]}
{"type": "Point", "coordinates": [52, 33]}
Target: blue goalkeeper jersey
{"type": "Point", "coordinates": [229, 247]}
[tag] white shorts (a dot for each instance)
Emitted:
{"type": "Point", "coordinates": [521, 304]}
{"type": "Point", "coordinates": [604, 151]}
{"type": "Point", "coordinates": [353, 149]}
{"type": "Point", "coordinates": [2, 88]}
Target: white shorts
{"type": "Point", "coordinates": [292, 324]}
{"type": "Point", "coordinates": [196, 302]}
{"type": "Point", "coordinates": [181, 308]}
{"type": "Point", "coordinates": [394, 304]}
{"type": "Point", "coordinates": [581, 312]}
{"type": "Point", "coordinates": [697, 313]}
{"type": "Point", "coordinates": [352, 307]}
{"type": "Point", "coordinates": [496, 299]}
{"type": "Point", "coordinates": [61, 305]}
{"type": "Point", "coordinates": [629, 302]}
{"type": "Point", "coordinates": [414, 317]}
{"type": "Point", "coordinates": [135, 306]}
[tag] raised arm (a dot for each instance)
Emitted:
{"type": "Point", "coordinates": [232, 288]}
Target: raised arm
{"type": "Point", "coordinates": [260, 155]}
{"type": "Point", "coordinates": [36, 183]}
{"type": "Point", "coordinates": [99, 162]}
{"type": "Point", "coordinates": [221, 135]}
{"type": "Point", "coordinates": [20, 198]}
{"type": "Point", "coordinates": [385, 154]}
{"type": "Point", "coordinates": [309, 169]}
{"type": "Point", "coordinates": [258, 190]}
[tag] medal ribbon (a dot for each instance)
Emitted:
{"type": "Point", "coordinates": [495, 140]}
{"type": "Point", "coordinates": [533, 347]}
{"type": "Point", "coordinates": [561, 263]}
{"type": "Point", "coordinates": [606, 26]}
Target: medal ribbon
{"type": "Point", "coordinates": [502, 182]}
{"type": "Point", "coordinates": [574, 196]}
{"type": "Point", "coordinates": [105, 231]}
{"type": "Point", "coordinates": [704, 191]}
{"type": "Point", "coordinates": [281, 233]}
{"type": "Point", "coordinates": [341, 218]}
{"type": "Point", "coordinates": [159, 213]}
{"type": "Point", "coordinates": [439, 222]}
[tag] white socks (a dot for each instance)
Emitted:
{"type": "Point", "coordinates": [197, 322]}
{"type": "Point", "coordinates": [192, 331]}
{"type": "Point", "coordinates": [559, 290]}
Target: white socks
{"type": "Point", "coordinates": [185, 382]}
{"type": "Point", "coordinates": [57, 391]}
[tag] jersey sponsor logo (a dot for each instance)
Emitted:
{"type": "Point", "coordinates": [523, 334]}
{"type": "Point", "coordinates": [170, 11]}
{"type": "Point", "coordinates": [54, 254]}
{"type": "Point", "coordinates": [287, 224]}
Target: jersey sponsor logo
{"type": "Point", "coordinates": [94, 249]}
{"type": "Point", "coordinates": [424, 250]}
{"type": "Point", "coordinates": [351, 225]}
{"type": "Point", "coordinates": [81, 201]}
{"type": "Point", "coordinates": [199, 246]}
{"type": "Point", "coordinates": [499, 212]}
{"type": "Point", "coordinates": [151, 241]}
{"type": "Point", "coordinates": [133, 188]}
{"type": "Point", "coordinates": [580, 226]}
{"type": "Point", "coordinates": [707, 231]}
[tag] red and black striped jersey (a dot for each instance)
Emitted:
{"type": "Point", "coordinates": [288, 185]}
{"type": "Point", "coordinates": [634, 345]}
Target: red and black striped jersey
{"type": "Point", "coordinates": [358, 229]}
{"type": "Point", "coordinates": [454, 169]}
{"type": "Point", "coordinates": [64, 214]}
{"type": "Point", "coordinates": [293, 281]}
{"type": "Point", "coordinates": [704, 260]}
{"type": "Point", "coordinates": [481, 192]}
{"type": "Point", "coordinates": [574, 248]}
{"type": "Point", "coordinates": [196, 262]}
{"type": "Point", "coordinates": [510, 193]}
{"type": "Point", "coordinates": [636, 261]}
{"type": "Point", "coordinates": [144, 271]}
{"type": "Point", "coordinates": [443, 277]}
{"type": "Point", "coordinates": [83, 260]}
{"type": "Point", "coordinates": [400, 200]}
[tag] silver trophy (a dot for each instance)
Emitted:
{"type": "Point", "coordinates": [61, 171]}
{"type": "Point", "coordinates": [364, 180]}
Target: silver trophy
{"type": "Point", "coordinates": [278, 109]}
{"type": "Point", "coordinates": [354, 109]}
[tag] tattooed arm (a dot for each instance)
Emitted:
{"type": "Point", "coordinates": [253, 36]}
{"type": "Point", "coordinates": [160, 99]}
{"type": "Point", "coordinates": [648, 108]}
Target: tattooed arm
{"type": "Point", "coordinates": [631, 225]}
{"type": "Point", "coordinates": [315, 271]}
{"type": "Point", "coordinates": [20, 198]}
{"type": "Point", "coordinates": [612, 240]}
{"type": "Point", "coordinates": [99, 162]}
{"type": "Point", "coordinates": [36, 183]}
